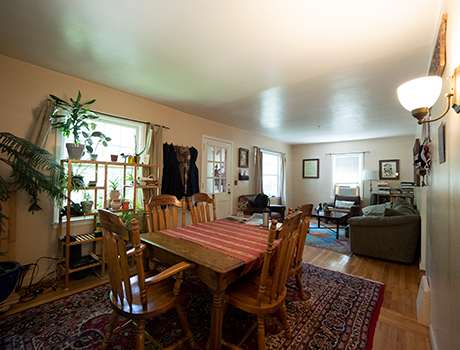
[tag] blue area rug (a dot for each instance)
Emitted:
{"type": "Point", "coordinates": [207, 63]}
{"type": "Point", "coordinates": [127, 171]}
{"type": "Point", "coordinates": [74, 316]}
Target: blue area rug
{"type": "Point", "coordinates": [325, 238]}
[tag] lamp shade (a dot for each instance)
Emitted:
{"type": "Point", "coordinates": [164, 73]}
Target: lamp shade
{"type": "Point", "coordinates": [370, 175]}
{"type": "Point", "coordinates": [420, 93]}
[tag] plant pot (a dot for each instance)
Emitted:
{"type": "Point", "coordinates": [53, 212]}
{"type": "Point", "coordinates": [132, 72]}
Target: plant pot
{"type": "Point", "coordinates": [93, 156]}
{"type": "Point", "coordinates": [8, 279]}
{"type": "Point", "coordinates": [125, 205]}
{"type": "Point", "coordinates": [74, 150]}
{"type": "Point", "coordinates": [114, 157]}
{"type": "Point", "coordinates": [86, 206]}
{"type": "Point", "coordinates": [136, 159]}
{"type": "Point", "coordinates": [116, 204]}
{"type": "Point", "coordinates": [114, 194]}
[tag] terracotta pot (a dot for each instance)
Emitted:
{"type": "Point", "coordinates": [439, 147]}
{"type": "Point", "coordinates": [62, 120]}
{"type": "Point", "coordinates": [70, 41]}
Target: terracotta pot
{"type": "Point", "coordinates": [125, 205]}
{"type": "Point", "coordinates": [116, 204]}
{"type": "Point", "coordinates": [114, 157]}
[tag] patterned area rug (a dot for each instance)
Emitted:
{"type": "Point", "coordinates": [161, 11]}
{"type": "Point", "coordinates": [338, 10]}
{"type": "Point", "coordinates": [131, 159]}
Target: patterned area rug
{"type": "Point", "coordinates": [341, 313]}
{"type": "Point", "coordinates": [325, 237]}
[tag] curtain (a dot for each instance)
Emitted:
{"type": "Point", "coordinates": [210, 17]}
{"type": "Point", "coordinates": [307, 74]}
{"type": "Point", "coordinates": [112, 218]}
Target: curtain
{"type": "Point", "coordinates": [42, 127]}
{"type": "Point", "coordinates": [283, 179]}
{"type": "Point", "coordinates": [153, 153]}
{"type": "Point", "coordinates": [258, 175]}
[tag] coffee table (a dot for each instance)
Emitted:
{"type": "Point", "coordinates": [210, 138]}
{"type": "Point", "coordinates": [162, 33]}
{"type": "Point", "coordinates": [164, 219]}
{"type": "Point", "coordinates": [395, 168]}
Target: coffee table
{"type": "Point", "coordinates": [333, 216]}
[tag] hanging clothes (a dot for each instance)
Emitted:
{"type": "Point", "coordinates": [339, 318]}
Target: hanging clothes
{"type": "Point", "coordinates": [192, 180]}
{"type": "Point", "coordinates": [171, 182]}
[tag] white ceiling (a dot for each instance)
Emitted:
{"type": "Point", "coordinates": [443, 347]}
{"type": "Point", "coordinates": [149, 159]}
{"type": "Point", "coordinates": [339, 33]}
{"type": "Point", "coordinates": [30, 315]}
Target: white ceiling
{"type": "Point", "coordinates": [299, 71]}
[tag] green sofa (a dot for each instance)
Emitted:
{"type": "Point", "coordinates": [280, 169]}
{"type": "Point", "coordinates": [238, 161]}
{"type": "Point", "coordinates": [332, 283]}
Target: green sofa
{"type": "Point", "coordinates": [388, 231]}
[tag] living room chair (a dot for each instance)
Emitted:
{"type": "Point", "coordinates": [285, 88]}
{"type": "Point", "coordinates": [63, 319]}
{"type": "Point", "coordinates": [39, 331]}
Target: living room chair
{"type": "Point", "coordinates": [296, 269]}
{"type": "Point", "coordinates": [133, 296]}
{"type": "Point", "coordinates": [161, 212]}
{"type": "Point", "coordinates": [263, 293]}
{"type": "Point", "coordinates": [199, 204]}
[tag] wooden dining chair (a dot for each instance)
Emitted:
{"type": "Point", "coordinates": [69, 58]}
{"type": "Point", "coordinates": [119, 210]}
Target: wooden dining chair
{"type": "Point", "coordinates": [161, 212]}
{"type": "Point", "coordinates": [263, 293]}
{"type": "Point", "coordinates": [132, 295]}
{"type": "Point", "coordinates": [296, 269]}
{"type": "Point", "coordinates": [199, 204]}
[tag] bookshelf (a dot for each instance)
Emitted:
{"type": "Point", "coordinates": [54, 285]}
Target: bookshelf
{"type": "Point", "coordinates": [386, 193]}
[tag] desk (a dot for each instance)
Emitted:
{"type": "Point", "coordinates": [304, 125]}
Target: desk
{"type": "Point", "coordinates": [334, 216]}
{"type": "Point", "coordinates": [213, 267]}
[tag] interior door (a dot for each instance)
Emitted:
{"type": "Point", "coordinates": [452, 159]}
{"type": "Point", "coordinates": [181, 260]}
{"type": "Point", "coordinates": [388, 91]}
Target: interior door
{"type": "Point", "coordinates": [217, 170]}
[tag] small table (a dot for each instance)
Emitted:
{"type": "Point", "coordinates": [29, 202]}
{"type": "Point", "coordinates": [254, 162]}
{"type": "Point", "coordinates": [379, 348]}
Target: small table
{"type": "Point", "coordinates": [333, 216]}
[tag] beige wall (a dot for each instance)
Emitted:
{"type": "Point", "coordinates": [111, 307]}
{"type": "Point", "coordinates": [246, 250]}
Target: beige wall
{"type": "Point", "coordinates": [443, 204]}
{"type": "Point", "coordinates": [319, 190]}
{"type": "Point", "coordinates": [23, 86]}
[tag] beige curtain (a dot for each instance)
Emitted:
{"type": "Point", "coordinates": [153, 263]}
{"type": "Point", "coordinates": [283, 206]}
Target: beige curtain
{"type": "Point", "coordinates": [42, 127]}
{"type": "Point", "coordinates": [283, 179]}
{"type": "Point", "coordinates": [154, 154]}
{"type": "Point", "coordinates": [258, 184]}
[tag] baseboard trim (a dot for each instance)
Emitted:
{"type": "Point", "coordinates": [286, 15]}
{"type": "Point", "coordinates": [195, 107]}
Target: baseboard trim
{"type": "Point", "coordinates": [433, 342]}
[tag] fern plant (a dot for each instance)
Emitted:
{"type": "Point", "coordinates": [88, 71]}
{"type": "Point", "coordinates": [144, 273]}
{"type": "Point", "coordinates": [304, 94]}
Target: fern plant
{"type": "Point", "coordinates": [33, 169]}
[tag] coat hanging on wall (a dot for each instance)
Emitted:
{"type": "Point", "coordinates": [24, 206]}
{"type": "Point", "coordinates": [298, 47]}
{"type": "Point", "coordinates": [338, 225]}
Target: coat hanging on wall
{"type": "Point", "coordinates": [180, 173]}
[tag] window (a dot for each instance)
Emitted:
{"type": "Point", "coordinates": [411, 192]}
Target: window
{"type": "Point", "coordinates": [347, 169]}
{"type": "Point", "coordinates": [126, 137]}
{"type": "Point", "coordinates": [271, 173]}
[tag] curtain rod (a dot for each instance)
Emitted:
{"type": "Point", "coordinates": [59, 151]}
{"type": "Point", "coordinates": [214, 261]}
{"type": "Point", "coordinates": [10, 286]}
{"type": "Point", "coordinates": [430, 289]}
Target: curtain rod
{"type": "Point", "coordinates": [123, 118]}
{"type": "Point", "coordinates": [269, 150]}
{"type": "Point", "coordinates": [334, 154]}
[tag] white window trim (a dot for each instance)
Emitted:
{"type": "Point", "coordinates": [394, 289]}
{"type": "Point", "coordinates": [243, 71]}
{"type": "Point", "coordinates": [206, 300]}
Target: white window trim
{"type": "Point", "coordinates": [360, 175]}
{"type": "Point", "coordinates": [279, 155]}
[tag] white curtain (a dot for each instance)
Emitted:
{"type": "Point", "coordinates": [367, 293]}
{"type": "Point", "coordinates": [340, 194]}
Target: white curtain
{"type": "Point", "coordinates": [283, 179]}
{"type": "Point", "coordinates": [258, 175]}
{"type": "Point", "coordinates": [42, 127]}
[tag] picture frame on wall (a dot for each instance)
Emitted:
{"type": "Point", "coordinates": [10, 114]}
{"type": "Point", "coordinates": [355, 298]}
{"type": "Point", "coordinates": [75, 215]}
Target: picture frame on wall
{"type": "Point", "coordinates": [310, 168]}
{"type": "Point", "coordinates": [389, 169]}
{"type": "Point", "coordinates": [243, 158]}
{"type": "Point", "coordinates": [442, 143]}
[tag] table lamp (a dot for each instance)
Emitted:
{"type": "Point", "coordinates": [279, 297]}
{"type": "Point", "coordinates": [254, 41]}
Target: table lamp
{"type": "Point", "coordinates": [370, 175]}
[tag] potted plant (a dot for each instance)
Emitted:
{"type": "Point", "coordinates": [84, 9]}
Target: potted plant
{"type": "Point", "coordinates": [87, 203]}
{"type": "Point", "coordinates": [89, 143]}
{"type": "Point", "coordinates": [114, 193]}
{"type": "Point", "coordinates": [75, 121]}
{"type": "Point", "coordinates": [33, 170]}
{"type": "Point", "coordinates": [124, 203]}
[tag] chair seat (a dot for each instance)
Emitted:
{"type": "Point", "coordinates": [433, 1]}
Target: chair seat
{"type": "Point", "coordinates": [243, 294]}
{"type": "Point", "coordinates": [159, 299]}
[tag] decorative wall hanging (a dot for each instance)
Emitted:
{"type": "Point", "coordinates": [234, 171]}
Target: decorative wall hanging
{"type": "Point", "coordinates": [442, 143]}
{"type": "Point", "coordinates": [243, 158]}
{"type": "Point", "coordinates": [422, 159]}
{"type": "Point", "coordinates": [243, 175]}
{"type": "Point", "coordinates": [310, 169]}
{"type": "Point", "coordinates": [389, 169]}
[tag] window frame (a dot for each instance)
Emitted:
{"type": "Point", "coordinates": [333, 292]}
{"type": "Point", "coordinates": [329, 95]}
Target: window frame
{"type": "Point", "coordinates": [359, 183]}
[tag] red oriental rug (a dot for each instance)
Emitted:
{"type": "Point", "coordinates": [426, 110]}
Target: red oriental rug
{"type": "Point", "coordinates": [341, 313]}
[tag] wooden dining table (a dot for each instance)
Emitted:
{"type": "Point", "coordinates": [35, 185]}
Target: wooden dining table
{"type": "Point", "coordinates": [222, 251]}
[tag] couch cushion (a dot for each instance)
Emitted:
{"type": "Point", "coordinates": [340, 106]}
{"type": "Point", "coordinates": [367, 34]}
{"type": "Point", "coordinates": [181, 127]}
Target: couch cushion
{"type": "Point", "coordinates": [404, 207]}
{"type": "Point", "coordinates": [344, 204]}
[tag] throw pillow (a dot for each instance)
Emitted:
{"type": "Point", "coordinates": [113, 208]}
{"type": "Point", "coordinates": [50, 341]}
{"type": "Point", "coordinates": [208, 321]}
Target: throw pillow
{"type": "Point", "coordinates": [375, 210]}
{"type": "Point", "coordinates": [242, 204]}
{"type": "Point", "coordinates": [392, 212]}
{"type": "Point", "coordinates": [344, 204]}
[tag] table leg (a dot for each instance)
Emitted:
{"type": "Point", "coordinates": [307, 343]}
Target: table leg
{"type": "Point", "coordinates": [217, 317]}
{"type": "Point", "coordinates": [319, 220]}
{"type": "Point", "coordinates": [337, 229]}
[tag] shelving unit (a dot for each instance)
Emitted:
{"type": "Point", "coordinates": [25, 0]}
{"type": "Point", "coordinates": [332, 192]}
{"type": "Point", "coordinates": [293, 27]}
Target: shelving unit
{"type": "Point", "coordinates": [102, 175]}
{"type": "Point", "coordinates": [384, 198]}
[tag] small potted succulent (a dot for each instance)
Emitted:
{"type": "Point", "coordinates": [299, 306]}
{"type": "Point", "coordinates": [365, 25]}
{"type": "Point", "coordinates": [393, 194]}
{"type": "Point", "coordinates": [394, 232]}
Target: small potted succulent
{"type": "Point", "coordinates": [87, 203]}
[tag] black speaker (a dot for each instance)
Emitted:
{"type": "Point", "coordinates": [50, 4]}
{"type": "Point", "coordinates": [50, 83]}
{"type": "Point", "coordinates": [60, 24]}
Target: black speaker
{"type": "Point", "coordinates": [74, 254]}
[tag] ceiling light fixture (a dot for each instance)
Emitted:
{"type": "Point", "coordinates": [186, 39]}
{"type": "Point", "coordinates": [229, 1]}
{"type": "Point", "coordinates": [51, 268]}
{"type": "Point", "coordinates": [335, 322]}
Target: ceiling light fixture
{"type": "Point", "coordinates": [419, 95]}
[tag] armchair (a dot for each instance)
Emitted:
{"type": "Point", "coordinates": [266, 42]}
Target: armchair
{"type": "Point", "coordinates": [246, 203]}
{"type": "Point", "coordinates": [347, 204]}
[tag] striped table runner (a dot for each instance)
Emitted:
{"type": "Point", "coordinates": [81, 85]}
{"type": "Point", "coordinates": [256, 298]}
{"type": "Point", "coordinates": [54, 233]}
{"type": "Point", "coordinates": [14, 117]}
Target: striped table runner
{"type": "Point", "coordinates": [238, 240]}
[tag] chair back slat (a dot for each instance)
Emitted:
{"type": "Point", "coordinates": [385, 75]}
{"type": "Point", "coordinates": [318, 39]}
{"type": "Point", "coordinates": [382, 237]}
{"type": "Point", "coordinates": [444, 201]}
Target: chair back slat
{"type": "Point", "coordinates": [287, 237]}
{"type": "Point", "coordinates": [162, 212]}
{"type": "Point", "coordinates": [199, 205]}
{"type": "Point", "coordinates": [306, 210]}
{"type": "Point", "coordinates": [115, 235]}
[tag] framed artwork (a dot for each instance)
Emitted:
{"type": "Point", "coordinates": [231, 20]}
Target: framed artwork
{"type": "Point", "coordinates": [442, 143]}
{"type": "Point", "coordinates": [243, 175]}
{"type": "Point", "coordinates": [310, 169]}
{"type": "Point", "coordinates": [438, 60]}
{"type": "Point", "coordinates": [389, 169]}
{"type": "Point", "coordinates": [243, 158]}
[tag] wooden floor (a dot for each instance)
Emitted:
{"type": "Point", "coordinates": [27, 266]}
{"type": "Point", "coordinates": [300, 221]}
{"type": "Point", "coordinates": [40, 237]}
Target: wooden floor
{"type": "Point", "coordinates": [397, 327]}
